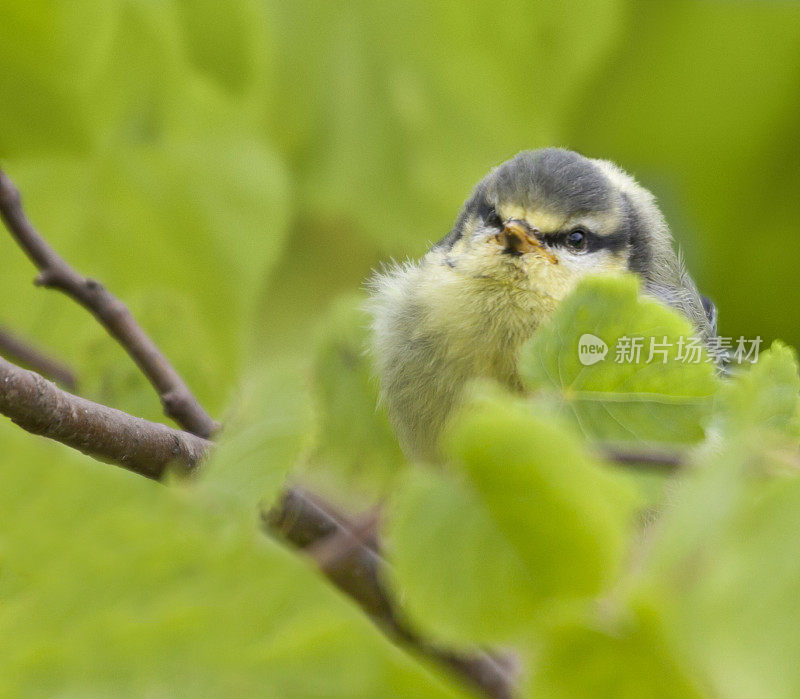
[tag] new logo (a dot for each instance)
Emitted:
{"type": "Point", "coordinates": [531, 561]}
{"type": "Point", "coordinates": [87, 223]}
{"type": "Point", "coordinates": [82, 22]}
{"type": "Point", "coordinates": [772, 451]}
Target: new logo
{"type": "Point", "coordinates": [591, 349]}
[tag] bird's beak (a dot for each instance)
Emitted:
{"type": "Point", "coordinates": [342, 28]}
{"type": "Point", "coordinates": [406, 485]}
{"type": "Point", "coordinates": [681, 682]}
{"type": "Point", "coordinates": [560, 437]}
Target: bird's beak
{"type": "Point", "coordinates": [518, 237]}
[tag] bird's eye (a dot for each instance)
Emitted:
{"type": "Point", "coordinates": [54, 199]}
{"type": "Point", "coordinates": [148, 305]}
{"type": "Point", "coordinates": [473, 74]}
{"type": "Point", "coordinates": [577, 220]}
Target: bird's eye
{"type": "Point", "coordinates": [576, 240]}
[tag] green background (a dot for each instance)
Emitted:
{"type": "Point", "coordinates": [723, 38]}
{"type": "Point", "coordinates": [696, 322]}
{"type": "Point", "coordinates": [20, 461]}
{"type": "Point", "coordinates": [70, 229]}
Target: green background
{"type": "Point", "coordinates": [234, 171]}
{"type": "Point", "coordinates": [261, 157]}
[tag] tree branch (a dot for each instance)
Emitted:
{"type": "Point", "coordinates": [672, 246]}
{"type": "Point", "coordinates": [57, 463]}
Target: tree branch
{"type": "Point", "coordinates": [110, 435]}
{"type": "Point", "coordinates": [657, 457]}
{"type": "Point", "coordinates": [178, 401]}
{"type": "Point", "coordinates": [348, 554]}
{"type": "Point", "coordinates": [22, 353]}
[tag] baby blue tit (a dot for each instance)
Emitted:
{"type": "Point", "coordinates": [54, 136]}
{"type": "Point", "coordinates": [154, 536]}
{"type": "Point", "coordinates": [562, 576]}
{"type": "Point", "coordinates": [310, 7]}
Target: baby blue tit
{"type": "Point", "coordinates": [531, 229]}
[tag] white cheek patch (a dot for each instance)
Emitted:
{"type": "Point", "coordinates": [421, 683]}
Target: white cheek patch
{"type": "Point", "coordinates": [611, 261]}
{"type": "Point", "coordinates": [583, 262]}
{"type": "Point", "coordinates": [597, 261]}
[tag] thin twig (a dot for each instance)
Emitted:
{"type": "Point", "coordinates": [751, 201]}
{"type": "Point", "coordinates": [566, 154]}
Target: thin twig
{"type": "Point", "coordinates": [348, 554]}
{"type": "Point", "coordinates": [179, 402]}
{"type": "Point", "coordinates": [40, 407]}
{"type": "Point", "coordinates": [21, 352]}
{"type": "Point", "coordinates": [657, 457]}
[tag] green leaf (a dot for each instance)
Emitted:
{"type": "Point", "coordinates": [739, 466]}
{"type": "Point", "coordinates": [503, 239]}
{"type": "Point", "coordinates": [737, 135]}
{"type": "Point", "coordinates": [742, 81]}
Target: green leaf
{"type": "Point", "coordinates": [723, 571]}
{"type": "Point", "coordinates": [565, 514]}
{"type": "Point", "coordinates": [228, 43]}
{"type": "Point", "coordinates": [631, 659]}
{"type": "Point", "coordinates": [47, 65]}
{"type": "Point", "coordinates": [763, 397]}
{"type": "Point", "coordinates": [264, 437]}
{"type": "Point", "coordinates": [665, 399]}
{"type": "Point", "coordinates": [458, 577]}
{"type": "Point", "coordinates": [535, 527]}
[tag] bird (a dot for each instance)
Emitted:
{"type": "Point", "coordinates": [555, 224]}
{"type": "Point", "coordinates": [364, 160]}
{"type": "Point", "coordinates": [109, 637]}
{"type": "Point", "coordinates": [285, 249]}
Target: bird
{"type": "Point", "coordinates": [531, 229]}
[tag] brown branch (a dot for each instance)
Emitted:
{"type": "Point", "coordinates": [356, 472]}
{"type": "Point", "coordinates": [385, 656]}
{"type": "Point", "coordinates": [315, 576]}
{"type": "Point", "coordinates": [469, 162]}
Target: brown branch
{"type": "Point", "coordinates": [657, 457]}
{"type": "Point", "coordinates": [20, 352]}
{"type": "Point", "coordinates": [348, 554]}
{"type": "Point", "coordinates": [178, 401]}
{"type": "Point", "coordinates": [110, 435]}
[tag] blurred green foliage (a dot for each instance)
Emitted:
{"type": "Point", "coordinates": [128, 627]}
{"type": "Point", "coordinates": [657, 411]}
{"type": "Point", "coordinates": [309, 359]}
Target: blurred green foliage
{"type": "Point", "coordinates": [113, 585]}
{"type": "Point", "coordinates": [233, 171]}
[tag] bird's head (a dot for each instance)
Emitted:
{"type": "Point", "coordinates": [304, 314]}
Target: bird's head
{"type": "Point", "coordinates": [533, 227]}
{"type": "Point", "coordinates": [544, 219]}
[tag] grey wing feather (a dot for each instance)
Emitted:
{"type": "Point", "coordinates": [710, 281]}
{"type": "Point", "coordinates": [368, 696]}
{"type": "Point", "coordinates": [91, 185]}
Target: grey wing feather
{"type": "Point", "coordinates": [711, 312]}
